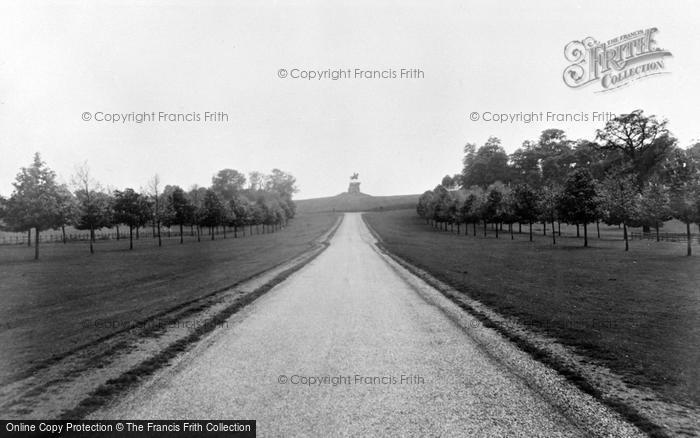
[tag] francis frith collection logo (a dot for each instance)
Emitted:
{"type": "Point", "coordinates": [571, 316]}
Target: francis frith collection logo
{"type": "Point", "coordinates": [616, 62]}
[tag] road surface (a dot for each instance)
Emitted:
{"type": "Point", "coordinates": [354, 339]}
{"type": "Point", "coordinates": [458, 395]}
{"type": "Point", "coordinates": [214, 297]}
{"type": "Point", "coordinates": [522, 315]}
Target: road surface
{"type": "Point", "coordinates": [400, 366]}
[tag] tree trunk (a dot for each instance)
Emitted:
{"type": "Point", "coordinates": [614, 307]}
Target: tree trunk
{"type": "Point", "coordinates": [160, 242]}
{"type": "Point", "coordinates": [36, 243]}
{"type": "Point", "coordinates": [485, 226]}
{"type": "Point", "coordinates": [627, 245]}
{"type": "Point", "coordinates": [559, 227]}
{"type": "Point", "coordinates": [554, 235]}
{"type": "Point", "coordinates": [92, 240]}
{"type": "Point", "coordinates": [212, 232]}
{"type": "Point", "coordinates": [29, 237]}
{"type": "Point", "coordinates": [687, 231]}
{"type": "Point", "coordinates": [474, 223]}
{"type": "Point", "coordinates": [131, 237]}
{"type": "Point", "coordinates": [63, 231]}
{"type": "Point", "coordinates": [199, 233]}
{"type": "Point", "coordinates": [585, 235]}
{"type": "Point", "coordinates": [117, 226]}
{"type": "Point", "coordinates": [137, 233]}
{"type": "Point", "coordinates": [224, 227]}
{"type": "Point", "coordinates": [520, 228]}
{"type": "Point", "coordinates": [544, 228]}
{"type": "Point", "coordinates": [235, 231]}
{"type": "Point", "coordinates": [578, 233]}
{"type": "Point", "coordinates": [181, 232]}
{"type": "Point", "coordinates": [530, 231]}
{"type": "Point", "coordinates": [497, 231]}
{"type": "Point", "coordinates": [597, 227]}
{"type": "Point", "coordinates": [658, 238]}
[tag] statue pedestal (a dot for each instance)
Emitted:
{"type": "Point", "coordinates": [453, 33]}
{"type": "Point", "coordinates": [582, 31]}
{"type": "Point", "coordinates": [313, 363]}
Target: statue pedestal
{"type": "Point", "coordinates": [354, 188]}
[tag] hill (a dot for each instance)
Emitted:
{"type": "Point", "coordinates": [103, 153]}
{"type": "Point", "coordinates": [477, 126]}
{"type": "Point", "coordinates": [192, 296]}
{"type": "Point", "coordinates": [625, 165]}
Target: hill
{"type": "Point", "coordinates": [356, 202]}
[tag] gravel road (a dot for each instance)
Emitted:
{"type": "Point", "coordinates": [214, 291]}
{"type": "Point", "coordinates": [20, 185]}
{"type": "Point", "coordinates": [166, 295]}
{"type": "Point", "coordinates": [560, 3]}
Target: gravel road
{"type": "Point", "coordinates": [387, 362]}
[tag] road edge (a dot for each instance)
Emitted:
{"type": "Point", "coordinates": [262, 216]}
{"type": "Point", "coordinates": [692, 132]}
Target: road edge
{"type": "Point", "coordinates": [216, 307]}
{"type": "Point", "coordinates": [141, 372]}
{"type": "Point", "coordinates": [547, 352]}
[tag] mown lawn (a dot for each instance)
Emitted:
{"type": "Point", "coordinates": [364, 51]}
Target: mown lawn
{"type": "Point", "coordinates": [49, 306]}
{"type": "Point", "coordinates": [637, 311]}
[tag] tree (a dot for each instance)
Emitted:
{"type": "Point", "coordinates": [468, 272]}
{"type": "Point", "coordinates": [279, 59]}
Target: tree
{"type": "Point", "coordinates": [684, 176]}
{"type": "Point", "coordinates": [578, 201]}
{"type": "Point", "coordinates": [425, 205]}
{"type": "Point", "coordinates": [555, 156]}
{"type": "Point", "coordinates": [178, 209]}
{"type": "Point", "coordinates": [94, 212]}
{"type": "Point", "coordinates": [442, 210]}
{"type": "Point", "coordinates": [488, 165]}
{"type": "Point", "coordinates": [242, 212]}
{"type": "Point", "coordinates": [34, 201]}
{"type": "Point", "coordinates": [547, 205]}
{"type": "Point", "coordinates": [197, 196]}
{"type": "Point", "coordinates": [212, 211]}
{"type": "Point", "coordinates": [93, 204]}
{"type": "Point", "coordinates": [3, 209]}
{"type": "Point", "coordinates": [525, 166]}
{"type": "Point", "coordinates": [685, 206]}
{"type": "Point", "coordinates": [642, 141]}
{"type": "Point", "coordinates": [619, 201]}
{"type": "Point", "coordinates": [589, 155]}
{"type": "Point", "coordinates": [492, 209]}
{"type": "Point", "coordinates": [67, 209]}
{"type": "Point", "coordinates": [284, 185]}
{"type": "Point", "coordinates": [450, 182]}
{"type": "Point", "coordinates": [655, 204]}
{"type": "Point", "coordinates": [227, 183]}
{"type": "Point", "coordinates": [471, 207]}
{"type": "Point", "coordinates": [525, 204]}
{"type": "Point", "coordinates": [507, 210]}
{"type": "Point", "coordinates": [128, 209]}
{"type": "Point", "coordinates": [154, 187]}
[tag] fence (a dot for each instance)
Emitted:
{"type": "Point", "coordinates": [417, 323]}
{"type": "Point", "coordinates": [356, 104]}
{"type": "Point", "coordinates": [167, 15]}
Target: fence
{"type": "Point", "coordinates": [51, 236]}
{"type": "Point", "coordinates": [664, 237]}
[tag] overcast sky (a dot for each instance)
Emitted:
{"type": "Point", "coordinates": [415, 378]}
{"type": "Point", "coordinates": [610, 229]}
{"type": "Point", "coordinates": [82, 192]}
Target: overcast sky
{"type": "Point", "coordinates": [61, 59]}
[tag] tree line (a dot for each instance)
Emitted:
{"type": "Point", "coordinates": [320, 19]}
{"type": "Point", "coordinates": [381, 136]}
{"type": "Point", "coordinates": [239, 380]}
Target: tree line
{"type": "Point", "coordinates": [633, 174]}
{"type": "Point", "coordinates": [233, 201]}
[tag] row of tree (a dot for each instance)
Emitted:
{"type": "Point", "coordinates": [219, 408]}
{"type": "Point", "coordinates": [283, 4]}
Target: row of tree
{"type": "Point", "coordinates": [232, 201]}
{"type": "Point", "coordinates": [632, 174]}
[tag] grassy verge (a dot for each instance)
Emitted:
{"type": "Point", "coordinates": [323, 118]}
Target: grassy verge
{"type": "Point", "coordinates": [636, 312]}
{"type": "Point", "coordinates": [70, 298]}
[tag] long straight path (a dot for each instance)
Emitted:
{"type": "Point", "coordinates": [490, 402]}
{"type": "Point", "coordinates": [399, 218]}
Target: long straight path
{"type": "Point", "coordinates": [346, 347]}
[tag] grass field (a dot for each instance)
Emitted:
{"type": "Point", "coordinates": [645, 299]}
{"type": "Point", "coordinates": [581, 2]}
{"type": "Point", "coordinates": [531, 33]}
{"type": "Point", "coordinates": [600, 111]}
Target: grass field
{"type": "Point", "coordinates": [638, 312]}
{"type": "Point", "coordinates": [50, 306]}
